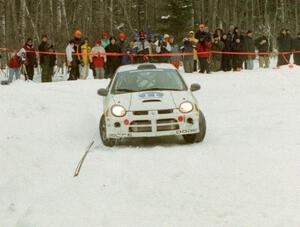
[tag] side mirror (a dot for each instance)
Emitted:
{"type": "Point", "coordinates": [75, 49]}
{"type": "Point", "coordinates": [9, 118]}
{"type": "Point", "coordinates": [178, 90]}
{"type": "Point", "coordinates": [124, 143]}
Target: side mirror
{"type": "Point", "coordinates": [102, 92]}
{"type": "Point", "coordinates": [195, 87]}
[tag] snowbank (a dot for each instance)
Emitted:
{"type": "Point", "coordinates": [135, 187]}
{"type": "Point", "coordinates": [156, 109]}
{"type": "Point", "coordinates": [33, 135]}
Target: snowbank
{"type": "Point", "coordinates": [246, 173]}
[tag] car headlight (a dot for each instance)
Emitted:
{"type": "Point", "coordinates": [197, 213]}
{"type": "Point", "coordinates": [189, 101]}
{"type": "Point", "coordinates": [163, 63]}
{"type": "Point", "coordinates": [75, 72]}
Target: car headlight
{"type": "Point", "coordinates": [118, 111]}
{"type": "Point", "coordinates": [186, 107]}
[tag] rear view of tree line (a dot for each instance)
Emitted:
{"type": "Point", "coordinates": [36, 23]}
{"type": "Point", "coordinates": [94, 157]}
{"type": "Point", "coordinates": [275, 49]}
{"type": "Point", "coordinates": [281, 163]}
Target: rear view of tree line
{"type": "Point", "coordinates": [20, 19]}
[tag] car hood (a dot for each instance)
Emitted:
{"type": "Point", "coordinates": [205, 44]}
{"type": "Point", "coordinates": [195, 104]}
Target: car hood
{"type": "Point", "coordinates": [152, 100]}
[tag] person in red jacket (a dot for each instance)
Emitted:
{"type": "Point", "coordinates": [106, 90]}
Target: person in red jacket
{"type": "Point", "coordinates": [98, 59]}
{"type": "Point", "coordinates": [14, 65]}
{"type": "Point", "coordinates": [203, 47]}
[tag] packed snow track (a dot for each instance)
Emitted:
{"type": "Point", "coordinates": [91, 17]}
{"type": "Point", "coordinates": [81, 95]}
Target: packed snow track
{"type": "Point", "coordinates": [245, 173]}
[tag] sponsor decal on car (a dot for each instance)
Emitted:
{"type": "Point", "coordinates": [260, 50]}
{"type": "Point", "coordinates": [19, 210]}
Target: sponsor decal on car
{"type": "Point", "coordinates": [151, 94]}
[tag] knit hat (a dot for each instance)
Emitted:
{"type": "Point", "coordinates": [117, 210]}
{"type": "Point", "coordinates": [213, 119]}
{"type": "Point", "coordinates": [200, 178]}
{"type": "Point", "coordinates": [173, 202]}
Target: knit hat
{"type": "Point", "coordinates": [98, 42]}
{"type": "Point", "coordinates": [77, 34]}
{"type": "Point", "coordinates": [104, 35]}
{"type": "Point", "coordinates": [166, 36]}
{"type": "Point", "coordinates": [122, 36]}
{"type": "Point", "coordinates": [142, 34]}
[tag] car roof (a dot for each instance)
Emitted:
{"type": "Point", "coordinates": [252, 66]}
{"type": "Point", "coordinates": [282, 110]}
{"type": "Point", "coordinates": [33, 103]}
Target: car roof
{"type": "Point", "coordinates": [145, 66]}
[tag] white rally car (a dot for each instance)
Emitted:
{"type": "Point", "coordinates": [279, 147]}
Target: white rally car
{"type": "Point", "coordinates": [150, 100]}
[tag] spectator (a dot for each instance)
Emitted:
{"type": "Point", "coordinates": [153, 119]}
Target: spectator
{"type": "Point", "coordinates": [77, 55]}
{"type": "Point", "coordinates": [249, 47]}
{"type": "Point", "coordinates": [296, 47]}
{"type": "Point", "coordinates": [174, 60]}
{"type": "Point", "coordinates": [44, 47]}
{"type": "Point", "coordinates": [28, 56]}
{"type": "Point", "coordinates": [98, 60]}
{"type": "Point", "coordinates": [84, 59]}
{"type": "Point", "coordinates": [71, 61]}
{"type": "Point", "coordinates": [203, 48]}
{"type": "Point", "coordinates": [264, 46]}
{"type": "Point", "coordinates": [164, 47]}
{"type": "Point", "coordinates": [152, 49]}
{"type": "Point", "coordinates": [216, 59]}
{"type": "Point", "coordinates": [49, 61]}
{"type": "Point", "coordinates": [195, 41]}
{"type": "Point", "coordinates": [113, 62]}
{"type": "Point", "coordinates": [124, 48]}
{"type": "Point", "coordinates": [14, 68]}
{"type": "Point", "coordinates": [188, 47]}
{"type": "Point", "coordinates": [105, 40]}
{"type": "Point", "coordinates": [284, 42]}
{"type": "Point", "coordinates": [143, 47]}
{"type": "Point", "coordinates": [226, 58]}
{"type": "Point", "coordinates": [202, 33]}
{"type": "Point", "coordinates": [237, 61]}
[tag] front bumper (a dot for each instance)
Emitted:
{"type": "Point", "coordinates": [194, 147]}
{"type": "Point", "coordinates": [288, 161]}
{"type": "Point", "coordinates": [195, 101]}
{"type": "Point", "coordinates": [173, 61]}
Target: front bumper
{"type": "Point", "coordinates": [154, 123]}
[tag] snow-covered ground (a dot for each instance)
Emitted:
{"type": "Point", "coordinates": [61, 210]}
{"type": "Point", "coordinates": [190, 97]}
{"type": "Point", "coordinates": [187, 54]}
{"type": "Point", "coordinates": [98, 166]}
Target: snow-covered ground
{"type": "Point", "coordinates": [245, 173]}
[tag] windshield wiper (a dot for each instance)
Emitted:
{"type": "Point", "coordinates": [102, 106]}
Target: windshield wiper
{"type": "Point", "coordinates": [161, 89]}
{"type": "Point", "coordinates": [125, 90]}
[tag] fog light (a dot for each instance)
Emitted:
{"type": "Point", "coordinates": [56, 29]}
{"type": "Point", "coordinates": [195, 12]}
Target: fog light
{"type": "Point", "coordinates": [117, 125]}
{"type": "Point", "coordinates": [126, 122]}
{"type": "Point", "coordinates": [190, 121]}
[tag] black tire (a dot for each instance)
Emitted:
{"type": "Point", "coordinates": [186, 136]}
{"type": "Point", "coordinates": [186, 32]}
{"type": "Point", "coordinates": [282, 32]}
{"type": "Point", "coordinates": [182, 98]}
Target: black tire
{"type": "Point", "coordinates": [198, 137]}
{"type": "Point", "coordinates": [102, 128]}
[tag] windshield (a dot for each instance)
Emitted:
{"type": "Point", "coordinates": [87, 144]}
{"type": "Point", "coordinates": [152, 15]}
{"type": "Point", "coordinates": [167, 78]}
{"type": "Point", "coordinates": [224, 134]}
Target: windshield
{"type": "Point", "coordinates": [148, 80]}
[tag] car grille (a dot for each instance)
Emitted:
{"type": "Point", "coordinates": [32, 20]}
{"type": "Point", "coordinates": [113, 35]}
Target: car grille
{"type": "Point", "coordinates": [140, 126]}
{"type": "Point", "coordinates": [167, 125]}
{"type": "Point", "coordinates": [139, 113]}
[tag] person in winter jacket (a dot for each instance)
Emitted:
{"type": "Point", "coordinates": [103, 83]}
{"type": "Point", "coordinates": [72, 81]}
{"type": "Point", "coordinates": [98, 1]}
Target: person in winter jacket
{"type": "Point", "coordinates": [296, 47]}
{"type": "Point", "coordinates": [226, 64]}
{"type": "Point", "coordinates": [202, 33]}
{"type": "Point", "coordinates": [188, 47]}
{"type": "Point", "coordinates": [98, 60]}
{"type": "Point", "coordinates": [203, 47]}
{"type": "Point", "coordinates": [264, 46]}
{"type": "Point", "coordinates": [152, 50]}
{"type": "Point", "coordinates": [142, 47]}
{"type": "Point", "coordinates": [237, 61]}
{"type": "Point", "coordinates": [284, 42]}
{"type": "Point", "coordinates": [14, 67]}
{"type": "Point", "coordinates": [249, 47]}
{"type": "Point", "coordinates": [72, 64]}
{"type": "Point", "coordinates": [195, 41]}
{"type": "Point", "coordinates": [164, 47]}
{"type": "Point", "coordinates": [174, 60]}
{"type": "Point", "coordinates": [105, 40]}
{"type": "Point", "coordinates": [113, 62]}
{"type": "Point", "coordinates": [74, 59]}
{"type": "Point", "coordinates": [216, 58]}
{"type": "Point", "coordinates": [47, 61]}
{"type": "Point", "coordinates": [84, 59]}
{"type": "Point", "coordinates": [28, 56]}
{"type": "Point", "coordinates": [124, 48]}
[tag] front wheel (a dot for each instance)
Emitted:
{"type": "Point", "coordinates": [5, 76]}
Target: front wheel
{"type": "Point", "coordinates": [198, 137]}
{"type": "Point", "coordinates": [102, 128]}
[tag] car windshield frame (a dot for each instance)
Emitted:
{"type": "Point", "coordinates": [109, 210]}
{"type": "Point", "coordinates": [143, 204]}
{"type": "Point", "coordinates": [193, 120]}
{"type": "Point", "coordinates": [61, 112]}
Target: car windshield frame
{"type": "Point", "coordinates": [115, 91]}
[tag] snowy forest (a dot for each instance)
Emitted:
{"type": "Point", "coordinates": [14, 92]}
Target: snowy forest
{"type": "Point", "coordinates": [21, 19]}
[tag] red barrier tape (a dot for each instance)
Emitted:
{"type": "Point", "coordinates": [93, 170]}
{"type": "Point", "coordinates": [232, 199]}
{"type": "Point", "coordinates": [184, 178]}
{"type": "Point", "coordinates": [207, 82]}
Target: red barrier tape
{"type": "Point", "coordinates": [156, 55]}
